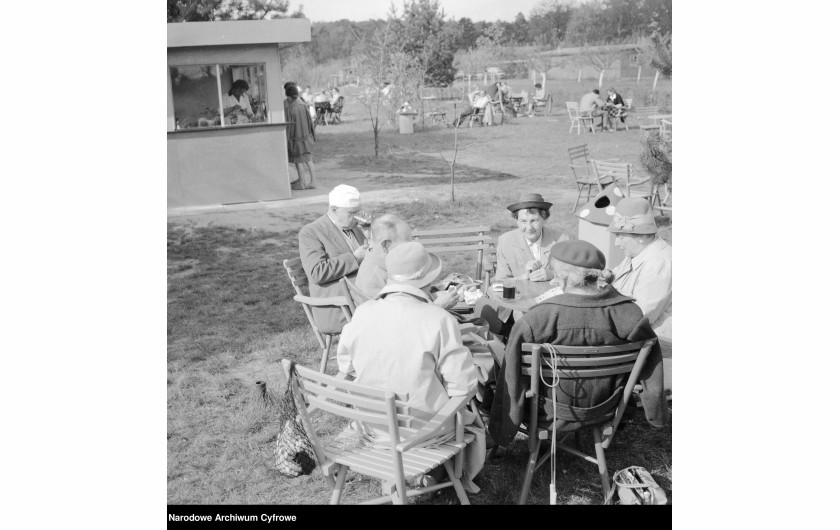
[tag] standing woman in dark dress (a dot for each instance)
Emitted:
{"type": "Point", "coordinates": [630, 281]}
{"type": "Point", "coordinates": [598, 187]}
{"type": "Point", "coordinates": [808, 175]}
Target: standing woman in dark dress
{"type": "Point", "coordinates": [301, 138]}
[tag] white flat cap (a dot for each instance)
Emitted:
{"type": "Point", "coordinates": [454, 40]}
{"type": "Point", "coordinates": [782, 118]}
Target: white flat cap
{"type": "Point", "coordinates": [345, 196]}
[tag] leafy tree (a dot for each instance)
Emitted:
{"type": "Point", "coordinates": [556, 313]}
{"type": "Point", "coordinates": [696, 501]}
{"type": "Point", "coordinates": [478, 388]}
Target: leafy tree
{"type": "Point", "coordinates": [208, 10]}
{"type": "Point", "coordinates": [548, 21]}
{"type": "Point", "coordinates": [519, 30]}
{"type": "Point", "coordinates": [466, 34]}
{"type": "Point", "coordinates": [658, 53]}
{"type": "Point", "coordinates": [423, 35]}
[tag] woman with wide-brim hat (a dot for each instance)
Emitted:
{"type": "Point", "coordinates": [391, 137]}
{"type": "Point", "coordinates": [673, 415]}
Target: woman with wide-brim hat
{"type": "Point", "coordinates": [645, 272]}
{"type": "Point", "coordinates": [522, 253]}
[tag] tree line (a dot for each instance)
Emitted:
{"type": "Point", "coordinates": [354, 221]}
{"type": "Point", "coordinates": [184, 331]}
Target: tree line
{"type": "Point", "coordinates": [552, 23]}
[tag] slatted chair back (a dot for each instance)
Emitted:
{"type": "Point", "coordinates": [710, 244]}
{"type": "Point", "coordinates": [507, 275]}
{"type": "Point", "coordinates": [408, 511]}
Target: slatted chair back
{"type": "Point", "coordinates": [579, 158]}
{"type": "Point", "coordinates": [622, 172]}
{"type": "Point", "coordinates": [665, 128]}
{"type": "Point", "coordinates": [294, 269]}
{"type": "Point", "coordinates": [353, 294]}
{"type": "Point", "coordinates": [645, 123]}
{"type": "Point", "coordinates": [573, 108]}
{"type": "Point", "coordinates": [585, 181]}
{"type": "Point", "coordinates": [538, 364]}
{"type": "Point", "coordinates": [394, 461]}
{"type": "Point", "coordinates": [458, 239]}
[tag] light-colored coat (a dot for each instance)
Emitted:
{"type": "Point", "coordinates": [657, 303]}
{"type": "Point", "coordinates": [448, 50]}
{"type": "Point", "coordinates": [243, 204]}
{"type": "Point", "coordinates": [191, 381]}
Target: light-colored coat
{"type": "Point", "coordinates": [326, 258]}
{"type": "Point", "coordinates": [512, 252]}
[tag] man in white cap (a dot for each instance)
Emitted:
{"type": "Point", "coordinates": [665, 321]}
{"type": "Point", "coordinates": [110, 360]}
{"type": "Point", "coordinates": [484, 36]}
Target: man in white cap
{"type": "Point", "coordinates": [332, 247]}
{"type": "Point", "coordinates": [403, 342]}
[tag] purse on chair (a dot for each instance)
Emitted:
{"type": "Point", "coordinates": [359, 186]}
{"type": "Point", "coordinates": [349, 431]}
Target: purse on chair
{"type": "Point", "coordinates": [293, 452]}
{"type": "Point", "coordinates": [635, 485]}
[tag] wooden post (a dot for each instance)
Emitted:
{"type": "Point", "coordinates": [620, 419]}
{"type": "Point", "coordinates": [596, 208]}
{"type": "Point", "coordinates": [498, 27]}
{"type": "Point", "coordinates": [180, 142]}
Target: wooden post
{"type": "Point", "coordinates": [639, 75]}
{"type": "Point", "coordinates": [580, 70]}
{"type": "Point", "coordinates": [655, 79]}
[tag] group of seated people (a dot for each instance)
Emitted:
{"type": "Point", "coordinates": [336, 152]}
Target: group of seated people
{"type": "Point", "coordinates": [320, 104]}
{"type": "Point", "coordinates": [404, 339]}
{"type": "Point", "coordinates": [477, 101]}
{"type": "Point", "coordinates": [614, 108]}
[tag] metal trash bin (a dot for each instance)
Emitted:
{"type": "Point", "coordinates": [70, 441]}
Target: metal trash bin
{"type": "Point", "coordinates": [406, 118]}
{"type": "Point", "coordinates": [593, 220]}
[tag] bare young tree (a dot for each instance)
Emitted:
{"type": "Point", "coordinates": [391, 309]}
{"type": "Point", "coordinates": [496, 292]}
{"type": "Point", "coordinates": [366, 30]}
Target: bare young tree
{"type": "Point", "coordinates": [455, 149]}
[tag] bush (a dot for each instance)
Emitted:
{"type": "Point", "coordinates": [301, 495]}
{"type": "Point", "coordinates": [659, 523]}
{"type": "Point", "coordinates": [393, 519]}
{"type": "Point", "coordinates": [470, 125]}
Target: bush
{"type": "Point", "coordinates": [656, 158]}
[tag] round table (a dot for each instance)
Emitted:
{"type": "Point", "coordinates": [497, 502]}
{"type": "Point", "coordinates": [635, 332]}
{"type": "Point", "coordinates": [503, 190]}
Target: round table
{"type": "Point", "coordinates": [526, 292]}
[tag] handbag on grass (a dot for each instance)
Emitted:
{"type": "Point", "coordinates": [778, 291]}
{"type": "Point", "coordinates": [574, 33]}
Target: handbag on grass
{"type": "Point", "coordinates": [293, 452]}
{"type": "Point", "coordinates": [635, 485]}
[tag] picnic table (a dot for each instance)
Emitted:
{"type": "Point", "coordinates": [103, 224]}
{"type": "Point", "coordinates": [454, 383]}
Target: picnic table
{"type": "Point", "coordinates": [526, 294]}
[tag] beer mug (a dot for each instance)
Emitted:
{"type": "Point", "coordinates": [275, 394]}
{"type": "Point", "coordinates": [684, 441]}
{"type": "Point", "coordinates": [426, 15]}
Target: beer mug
{"type": "Point", "coordinates": [363, 219]}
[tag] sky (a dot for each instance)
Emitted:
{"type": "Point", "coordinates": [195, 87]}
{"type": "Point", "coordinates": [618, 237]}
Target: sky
{"type": "Point", "coordinates": [490, 10]}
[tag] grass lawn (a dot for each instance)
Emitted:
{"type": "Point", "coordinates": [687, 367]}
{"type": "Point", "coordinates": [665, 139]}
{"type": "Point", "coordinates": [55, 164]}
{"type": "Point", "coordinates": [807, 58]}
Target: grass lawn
{"type": "Point", "coordinates": [231, 318]}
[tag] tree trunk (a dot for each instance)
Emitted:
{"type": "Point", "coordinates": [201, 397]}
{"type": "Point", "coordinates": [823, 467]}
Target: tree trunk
{"type": "Point", "coordinates": [655, 79]}
{"type": "Point", "coordinates": [639, 75]}
{"type": "Point", "coordinates": [601, 79]}
{"type": "Point", "coordinates": [580, 71]}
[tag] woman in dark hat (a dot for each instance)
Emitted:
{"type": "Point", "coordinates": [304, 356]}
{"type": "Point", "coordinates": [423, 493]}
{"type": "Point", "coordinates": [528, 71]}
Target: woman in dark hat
{"type": "Point", "coordinates": [522, 253]}
{"type": "Point", "coordinates": [589, 312]}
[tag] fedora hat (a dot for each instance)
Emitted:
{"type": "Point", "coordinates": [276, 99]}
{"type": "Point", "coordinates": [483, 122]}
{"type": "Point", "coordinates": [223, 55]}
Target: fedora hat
{"type": "Point", "coordinates": [633, 215]}
{"type": "Point", "coordinates": [529, 200]}
{"type": "Point", "coordinates": [411, 264]}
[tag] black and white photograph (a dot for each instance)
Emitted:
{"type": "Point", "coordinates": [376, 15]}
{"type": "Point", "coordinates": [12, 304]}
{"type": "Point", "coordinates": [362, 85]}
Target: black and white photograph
{"type": "Point", "coordinates": [419, 253]}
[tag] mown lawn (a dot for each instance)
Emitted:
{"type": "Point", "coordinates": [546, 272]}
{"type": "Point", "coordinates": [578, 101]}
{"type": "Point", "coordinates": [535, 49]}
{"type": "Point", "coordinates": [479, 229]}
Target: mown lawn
{"type": "Point", "coordinates": [230, 322]}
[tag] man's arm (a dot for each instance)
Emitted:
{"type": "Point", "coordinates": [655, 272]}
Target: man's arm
{"type": "Point", "coordinates": [343, 357]}
{"type": "Point", "coordinates": [319, 266]}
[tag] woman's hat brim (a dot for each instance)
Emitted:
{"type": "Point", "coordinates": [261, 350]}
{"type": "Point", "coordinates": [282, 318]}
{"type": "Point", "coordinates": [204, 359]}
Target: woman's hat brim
{"type": "Point", "coordinates": [433, 271]}
{"type": "Point", "coordinates": [529, 204]}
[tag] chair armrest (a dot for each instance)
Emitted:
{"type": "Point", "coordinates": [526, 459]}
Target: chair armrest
{"type": "Point", "coordinates": [332, 301]}
{"type": "Point", "coordinates": [437, 423]}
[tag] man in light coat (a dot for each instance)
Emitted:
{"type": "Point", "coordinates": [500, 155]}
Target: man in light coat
{"type": "Point", "coordinates": [332, 247]}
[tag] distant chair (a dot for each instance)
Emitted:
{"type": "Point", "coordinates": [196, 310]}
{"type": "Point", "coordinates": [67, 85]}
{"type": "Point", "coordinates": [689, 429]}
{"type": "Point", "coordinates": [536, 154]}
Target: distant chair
{"type": "Point", "coordinates": [618, 171]}
{"type": "Point", "coordinates": [646, 123]}
{"type": "Point", "coordinates": [665, 129]}
{"type": "Point", "coordinates": [573, 107]}
{"type": "Point", "coordinates": [438, 114]}
{"type": "Point", "coordinates": [583, 178]}
{"type": "Point", "coordinates": [545, 104]}
{"type": "Point", "coordinates": [299, 280]}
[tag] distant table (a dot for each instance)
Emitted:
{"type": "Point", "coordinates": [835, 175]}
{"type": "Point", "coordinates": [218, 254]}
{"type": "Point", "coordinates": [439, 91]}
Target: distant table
{"type": "Point", "coordinates": [526, 292]}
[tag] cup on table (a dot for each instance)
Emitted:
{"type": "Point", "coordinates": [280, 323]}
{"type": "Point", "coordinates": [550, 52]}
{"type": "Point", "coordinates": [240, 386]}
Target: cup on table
{"type": "Point", "coordinates": [509, 289]}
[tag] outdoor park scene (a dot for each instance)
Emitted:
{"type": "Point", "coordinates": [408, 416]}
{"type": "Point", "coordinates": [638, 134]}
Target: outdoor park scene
{"type": "Point", "coordinates": [438, 121]}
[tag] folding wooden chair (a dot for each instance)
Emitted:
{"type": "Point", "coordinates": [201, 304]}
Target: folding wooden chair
{"type": "Point", "coordinates": [299, 281]}
{"type": "Point", "coordinates": [618, 171]}
{"type": "Point", "coordinates": [665, 128]}
{"type": "Point", "coordinates": [573, 109]}
{"type": "Point", "coordinates": [578, 362]}
{"type": "Point", "coordinates": [584, 179]}
{"type": "Point", "coordinates": [460, 239]}
{"type": "Point", "coordinates": [645, 123]}
{"type": "Point", "coordinates": [397, 464]}
{"type": "Point", "coordinates": [545, 104]}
